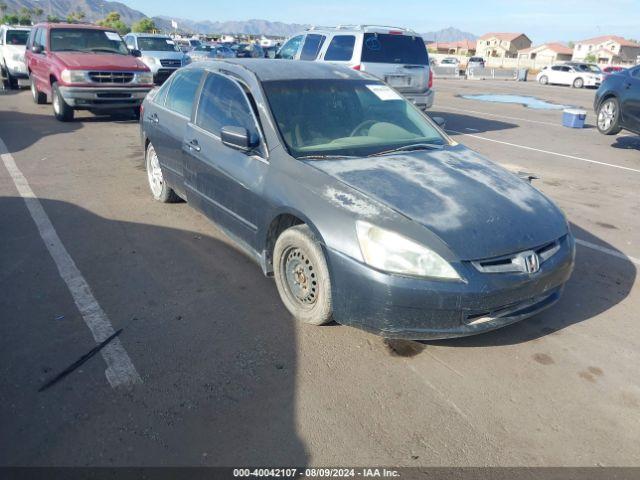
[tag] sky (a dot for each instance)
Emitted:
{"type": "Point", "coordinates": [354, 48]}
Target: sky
{"type": "Point", "coordinates": [541, 20]}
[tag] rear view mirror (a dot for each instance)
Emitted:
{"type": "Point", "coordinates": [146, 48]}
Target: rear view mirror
{"type": "Point", "coordinates": [441, 122]}
{"type": "Point", "coordinates": [36, 49]}
{"type": "Point", "coordinates": [238, 138]}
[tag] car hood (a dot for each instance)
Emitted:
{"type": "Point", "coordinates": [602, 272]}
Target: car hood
{"type": "Point", "coordinates": [11, 49]}
{"type": "Point", "coordinates": [100, 61]}
{"type": "Point", "coordinates": [476, 207]}
{"type": "Point", "coordinates": [163, 54]}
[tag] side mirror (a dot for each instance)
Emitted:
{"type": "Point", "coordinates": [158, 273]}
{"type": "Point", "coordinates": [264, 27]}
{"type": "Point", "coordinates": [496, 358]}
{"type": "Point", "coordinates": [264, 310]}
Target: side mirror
{"type": "Point", "coordinates": [238, 138]}
{"type": "Point", "coordinates": [37, 49]}
{"type": "Point", "coordinates": [441, 122]}
{"type": "Point", "coordinates": [136, 53]}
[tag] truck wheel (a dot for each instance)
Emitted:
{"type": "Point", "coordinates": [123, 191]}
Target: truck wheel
{"type": "Point", "coordinates": [61, 110]}
{"type": "Point", "coordinates": [302, 276]}
{"type": "Point", "coordinates": [38, 97]}
{"type": "Point", "coordinates": [159, 188]}
{"type": "Point", "coordinates": [609, 117]}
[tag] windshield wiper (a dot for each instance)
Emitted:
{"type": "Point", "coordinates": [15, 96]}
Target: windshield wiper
{"type": "Point", "coordinates": [326, 157]}
{"type": "Point", "coordinates": [407, 148]}
{"type": "Point", "coordinates": [108, 50]}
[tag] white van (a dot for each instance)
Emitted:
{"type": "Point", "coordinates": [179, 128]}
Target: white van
{"type": "Point", "coordinates": [12, 47]}
{"type": "Point", "coordinates": [395, 55]}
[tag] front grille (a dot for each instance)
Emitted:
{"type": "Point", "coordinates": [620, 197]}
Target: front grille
{"type": "Point", "coordinates": [513, 263]}
{"type": "Point", "coordinates": [171, 63]}
{"type": "Point", "coordinates": [111, 77]}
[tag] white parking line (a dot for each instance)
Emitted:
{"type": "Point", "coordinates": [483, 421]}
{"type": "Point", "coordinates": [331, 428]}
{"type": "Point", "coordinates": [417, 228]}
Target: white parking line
{"type": "Point", "coordinates": [120, 370]}
{"type": "Point", "coordinates": [438, 107]}
{"type": "Point", "coordinates": [524, 147]}
{"type": "Point", "coordinates": [608, 251]}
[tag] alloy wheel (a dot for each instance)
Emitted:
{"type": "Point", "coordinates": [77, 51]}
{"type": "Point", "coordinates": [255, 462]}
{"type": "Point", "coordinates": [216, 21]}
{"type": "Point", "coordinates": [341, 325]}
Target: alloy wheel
{"type": "Point", "coordinates": [607, 115]}
{"type": "Point", "coordinates": [154, 173]}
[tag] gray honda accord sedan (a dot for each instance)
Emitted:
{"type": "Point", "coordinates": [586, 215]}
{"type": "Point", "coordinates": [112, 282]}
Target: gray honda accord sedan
{"type": "Point", "coordinates": [363, 210]}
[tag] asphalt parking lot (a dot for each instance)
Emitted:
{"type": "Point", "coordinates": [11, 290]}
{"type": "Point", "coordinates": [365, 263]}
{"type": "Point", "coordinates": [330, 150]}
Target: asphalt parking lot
{"type": "Point", "coordinates": [222, 375]}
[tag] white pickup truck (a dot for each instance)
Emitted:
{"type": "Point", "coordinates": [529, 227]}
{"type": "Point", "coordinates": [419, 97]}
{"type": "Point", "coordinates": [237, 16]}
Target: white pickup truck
{"type": "Point", "coordinates": [12, 47]}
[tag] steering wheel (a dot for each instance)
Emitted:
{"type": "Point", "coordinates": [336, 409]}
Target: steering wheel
{"type": "Point", "coordinates": [361, 125]}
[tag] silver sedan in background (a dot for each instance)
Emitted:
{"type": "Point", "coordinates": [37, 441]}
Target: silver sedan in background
{"type": "Point", "coordinates": [211, 52]}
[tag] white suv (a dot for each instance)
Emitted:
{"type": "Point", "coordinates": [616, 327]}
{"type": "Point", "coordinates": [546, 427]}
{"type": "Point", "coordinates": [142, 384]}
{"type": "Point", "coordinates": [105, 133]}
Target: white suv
{"type": "Point", "coordinates": [395, 55]}
{"type": "Point", "coordinates": [12, 47]}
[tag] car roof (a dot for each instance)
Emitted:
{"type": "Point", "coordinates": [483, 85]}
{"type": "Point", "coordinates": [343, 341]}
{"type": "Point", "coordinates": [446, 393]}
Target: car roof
{"type": "Point", "coordinates": [142, 34]}
{"type": "Point", "coordinates": [353, 29]}
{"type": "Point", "coordinates": [16, 27]}
{"type": "Point", "coordinates": [83, 26]}
{"type": "Point", "coordinates": [271, 69]}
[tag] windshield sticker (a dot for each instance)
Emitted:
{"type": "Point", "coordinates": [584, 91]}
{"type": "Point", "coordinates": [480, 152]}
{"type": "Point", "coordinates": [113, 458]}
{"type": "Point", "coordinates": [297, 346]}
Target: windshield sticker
{"type": "Point", "coordinates": [171, 42]}
{"type": "Point", "coordinates": [112, 36]}
{"type": "Point", "coordinates": [383, 92]}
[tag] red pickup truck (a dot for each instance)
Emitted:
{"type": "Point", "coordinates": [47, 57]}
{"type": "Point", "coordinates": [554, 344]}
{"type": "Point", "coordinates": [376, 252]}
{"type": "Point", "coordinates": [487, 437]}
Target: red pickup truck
{"type": "Point", "coordinates": [84, 67]}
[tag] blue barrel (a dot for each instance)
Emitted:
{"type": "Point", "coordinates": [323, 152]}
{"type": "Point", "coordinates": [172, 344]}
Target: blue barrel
{"type": "Point", "coordinates": [573, 118]}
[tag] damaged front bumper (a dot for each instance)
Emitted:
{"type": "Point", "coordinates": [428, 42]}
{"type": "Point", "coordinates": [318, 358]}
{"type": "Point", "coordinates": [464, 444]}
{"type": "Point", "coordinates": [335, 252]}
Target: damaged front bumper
{"type": "Point", "coordinates": [419, 309]}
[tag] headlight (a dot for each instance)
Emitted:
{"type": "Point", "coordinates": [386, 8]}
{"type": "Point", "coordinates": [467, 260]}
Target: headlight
{"type": "Point", "coordinates": [18, 57]}
{"type": "Point", "coordinates": [73, 76]}
{"type": "Point", "coordinates": [149, 60]}
{"type": "Point", "coordinates": [394, 253]}
{"type": "Point", "coordinates": [144, 77]}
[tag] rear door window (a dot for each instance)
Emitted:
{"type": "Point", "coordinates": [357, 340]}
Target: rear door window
{"type": "Point", "coordinates": [312, 45]}
{"type": "Point", "coordinates": [388, 48]}
{"type": "Point", "coordinates": [223, 104]}
{"type": "Point", "coordinates": [182, 92]}
{"type": "Point", "coordinates": [340, 49]}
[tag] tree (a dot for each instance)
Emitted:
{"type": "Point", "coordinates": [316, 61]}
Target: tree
{"type": "Point", "coordinates": [53, 19]}
{"type": "Point", "coordinates": [38, 12]}
{"type": "Point", "coordinates": [112, 20]}
{"type": "Point", "coordinates": [146, 25]}
{"type": "Point", "coordinates": [11, 19]}
{"type": "Point", "coordinates": [571, 45]}
{"type": "Point", "coordinates": [75, 16]}
{"type": "Point", "coordinates": [24, 17]}
{"type": "Point", "coordinates": [591, 58]}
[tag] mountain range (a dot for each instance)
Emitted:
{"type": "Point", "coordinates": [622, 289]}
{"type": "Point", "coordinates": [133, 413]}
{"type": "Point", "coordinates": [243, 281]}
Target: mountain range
{"type": "Point", "coordinates": [98, 9]}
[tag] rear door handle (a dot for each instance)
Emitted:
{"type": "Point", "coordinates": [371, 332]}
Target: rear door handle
{"type": "Point", "coordinates": [193, 145]}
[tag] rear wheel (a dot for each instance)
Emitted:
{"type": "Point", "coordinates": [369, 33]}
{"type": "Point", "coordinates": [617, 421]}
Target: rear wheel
{"type": "Point", "coordinates": [61, 110]}
{"type": "Point", "coordinates": [544, 80]}
{"type": "Point", "coordinates": [302, 276]}
{"type": "Point", "coordinates": [159, 188]}
{"type": "Point", "coordinates": [38, 97]}
{"type": "Point", "coordinates": [578, 83]}
{"type": "Point", "coordinates": [609, 117]}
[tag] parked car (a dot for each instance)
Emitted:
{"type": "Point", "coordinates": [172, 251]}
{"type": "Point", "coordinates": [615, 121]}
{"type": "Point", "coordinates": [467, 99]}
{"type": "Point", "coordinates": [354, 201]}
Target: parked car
{"type": "Point", "coordinates": [211, 52]}
{"type": "Point", "coordinates": [271, 51]}
{"type": "Point", "coordinates": [578, 76]}
{"type": "Point", "coordinates": [395, 55]}
{"type": "Point", "coordinates": [449, 62]}
{"type": "Point", "coordinates": [248, 50]}
{"type": "Point", "coordinates": [159, 52]}
{"type": "Point", "coordinates": [612, 69]}
{"type": "Point", "coordinates": [12, 47]}
{"type": "Point", "coordinates": [617, 102]}
{"type": "Point", "coordinates": [186, 45]}
{"type": "Point", "coordinates": [475, 62]}
{"type": "Point", "coordinates": [362, 209]}
{"type": "Point", "coordinates": [84, 67]}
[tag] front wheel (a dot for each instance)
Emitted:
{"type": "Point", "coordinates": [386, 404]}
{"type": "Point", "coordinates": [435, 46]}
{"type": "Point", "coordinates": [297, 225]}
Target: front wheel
{"type": "Point", "coordinates": [159, 188]}
{"type": "Point", "coordinates": [61, 109]}
{"type": "Point", "coordinates": [302, 276]}
{"type": "Point", "coordinates": [544, 80]}
{"type": "Point", "coordinates": [609, 117]}
{"type": "Point", "coordinates": [578, 83]}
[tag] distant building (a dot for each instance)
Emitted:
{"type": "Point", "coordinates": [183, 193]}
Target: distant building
{"type": "Point", "coordinates": [547, 53]}
{"type": "Point", "coordinates": [462, 47]}
{"type": "Point", "coordinates": [608, 49]}
{"type": "Point", "coordinates": [502, 45]}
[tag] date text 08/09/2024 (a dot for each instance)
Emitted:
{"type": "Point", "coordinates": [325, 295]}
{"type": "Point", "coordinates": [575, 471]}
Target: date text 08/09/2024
{"type": "Point", "coordinates": [316, 472]}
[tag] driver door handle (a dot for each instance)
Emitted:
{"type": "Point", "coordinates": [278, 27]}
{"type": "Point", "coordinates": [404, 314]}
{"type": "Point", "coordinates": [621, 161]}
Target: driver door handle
{"type": "Point", "coordinates": [153, 118]}
{"type": "Point", "coordinates": [193, 145]}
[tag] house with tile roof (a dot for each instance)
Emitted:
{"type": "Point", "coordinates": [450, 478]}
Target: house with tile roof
{"type": "Point", "coordinates": [501, 45]}
{"type": "Point", "coordinates": [462, 47]}
{"type": "Point", "coordinates": [607, 49]}
{"type": "Point", "coordinates": [547, 53]}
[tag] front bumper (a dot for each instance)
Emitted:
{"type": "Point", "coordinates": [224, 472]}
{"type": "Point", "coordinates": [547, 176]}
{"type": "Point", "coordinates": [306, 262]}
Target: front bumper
{"type": "Point", "coordinates": [419, 309]}
{"type": "Point", "coordinates": [17, 70]}
{"type": "Point", "coordinates": [107, 98]}
{"type": "Point", "coordinates": [592, 82]}
{"type": "Point", "coordinates": [420, 100]}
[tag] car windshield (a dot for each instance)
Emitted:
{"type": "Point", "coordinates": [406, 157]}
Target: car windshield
{"type": "Point", "coordinates": [86, 40]}
{"type": "Point", "coordinates": [388, 48]}
{"type": "Point", "coordinates": [327, 118]}
{"type": "Point", "coordinates": [156, 44]}
{"type": "Point", "coordinates": [17, 37]}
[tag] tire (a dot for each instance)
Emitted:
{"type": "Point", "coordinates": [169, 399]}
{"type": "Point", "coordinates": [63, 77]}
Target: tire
{"type": "Point", "coordinates": [12, 83]}
{"type": "Point", "coordinates": [544, 80]}
{"type": "Point", "coordinates": [302, 276]}
{"type": "Point", "coordinates": [158, 186]}
{"type": "Point", "coordinates": [608, 121]}
{"type": "Point", "coordinates": [38, 97]}
{"type": "Point", "coordinates": [578, 83]}
{"type": "Point", "coordinates": [61, 110]}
